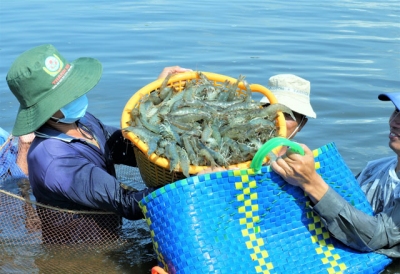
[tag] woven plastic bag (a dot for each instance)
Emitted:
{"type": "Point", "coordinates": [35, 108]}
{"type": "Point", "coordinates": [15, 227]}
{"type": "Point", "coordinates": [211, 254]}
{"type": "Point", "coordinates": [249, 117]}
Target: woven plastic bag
{"type": "Point", "coordinates": [8, 157]}
{"type": "Point", "coordinates": [238, 221]}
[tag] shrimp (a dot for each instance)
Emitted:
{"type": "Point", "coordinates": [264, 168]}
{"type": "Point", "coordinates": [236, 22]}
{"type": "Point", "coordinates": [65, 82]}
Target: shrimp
{"type": "Point", "coordinates": [207, 131]}
{"type": "Point", "coordinates": [207, 155]}
{"type": "Point", "coordinates": [271, 111]}
{"type": "Point", "coordinates": [171, 151]}
{"type": "Point", "coordinates": [218, 158]}
{"type": "Point", "coordinates": [204, 122]}
{"type": "Point", "coordinates": [189, 150]}
{"type": "Point", "coordinates": [184, 162]}
{"type": "Point", "coordinates": [189, 115]}
{"type": "Point", "coordinates": [150, 138]}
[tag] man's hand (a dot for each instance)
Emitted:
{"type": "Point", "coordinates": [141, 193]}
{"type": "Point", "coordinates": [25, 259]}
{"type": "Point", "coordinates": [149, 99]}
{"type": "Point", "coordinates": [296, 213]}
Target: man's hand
{"type": "Point", "coordinates": [171, 70]}
{"type": "Point", "coordinates": [300, 171]}
{"type": "Point", "coordinates": [158, 270]}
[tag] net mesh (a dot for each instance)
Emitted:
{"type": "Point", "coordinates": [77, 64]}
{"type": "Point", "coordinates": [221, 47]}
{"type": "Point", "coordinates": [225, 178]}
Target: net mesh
{"type": "Point", "coordinates": [36, 238]}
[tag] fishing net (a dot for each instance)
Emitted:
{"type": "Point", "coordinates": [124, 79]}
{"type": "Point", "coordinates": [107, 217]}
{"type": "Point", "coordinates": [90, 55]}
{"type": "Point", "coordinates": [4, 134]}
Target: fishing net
{"type": "Point", "coordinates": [35, 238]}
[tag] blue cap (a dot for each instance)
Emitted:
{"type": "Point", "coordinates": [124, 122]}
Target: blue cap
{"type": "Point", "coordinates": [393, 96]}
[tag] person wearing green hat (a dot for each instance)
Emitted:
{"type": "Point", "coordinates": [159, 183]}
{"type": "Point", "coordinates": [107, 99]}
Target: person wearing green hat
{"type": "Point", "coordinates": [379, 180]}
{"type": "Point", "coordinates": [71, 159]}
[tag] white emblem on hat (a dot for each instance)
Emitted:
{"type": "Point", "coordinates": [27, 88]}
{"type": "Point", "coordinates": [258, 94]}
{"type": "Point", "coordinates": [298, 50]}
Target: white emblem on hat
{"type": "Point", "coordinates": [53, 65]}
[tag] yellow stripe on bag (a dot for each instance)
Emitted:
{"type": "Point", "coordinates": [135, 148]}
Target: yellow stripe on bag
{"type": "Point", "coordinates": [160, 257]}
{"type": "Point", "coordinates": [249, 220]}
{"type": "Point", "coordinates": [320, 234]}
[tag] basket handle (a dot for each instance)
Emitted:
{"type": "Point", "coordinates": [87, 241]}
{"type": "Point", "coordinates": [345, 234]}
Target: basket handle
{"type": "Point", "coordinates": [258, 159]}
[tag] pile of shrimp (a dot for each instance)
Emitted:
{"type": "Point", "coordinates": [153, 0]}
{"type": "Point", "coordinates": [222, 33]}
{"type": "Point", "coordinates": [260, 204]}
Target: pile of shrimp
{"type": "Point", "coordinates": [204, 124]}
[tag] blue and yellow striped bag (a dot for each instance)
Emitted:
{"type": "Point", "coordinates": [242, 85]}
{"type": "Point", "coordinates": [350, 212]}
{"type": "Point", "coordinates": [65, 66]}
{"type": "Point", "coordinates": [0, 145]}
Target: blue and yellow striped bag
{"type": "Point", "coordinates": [237, 221]}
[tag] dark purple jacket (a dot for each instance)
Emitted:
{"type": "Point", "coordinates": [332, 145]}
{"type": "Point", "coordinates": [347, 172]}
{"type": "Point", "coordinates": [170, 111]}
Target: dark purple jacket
{"type": "Point", "coordinates": [73, 174]}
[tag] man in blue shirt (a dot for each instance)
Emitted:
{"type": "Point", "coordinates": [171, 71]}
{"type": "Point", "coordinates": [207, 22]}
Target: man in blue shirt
{"type": "Point", "coordinates": [71, 160]}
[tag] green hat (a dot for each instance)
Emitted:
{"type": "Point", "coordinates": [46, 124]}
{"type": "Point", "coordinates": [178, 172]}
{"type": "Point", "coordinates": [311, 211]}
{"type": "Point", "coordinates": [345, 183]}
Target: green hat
{"type": "Point", "coordinates": [44, 82]}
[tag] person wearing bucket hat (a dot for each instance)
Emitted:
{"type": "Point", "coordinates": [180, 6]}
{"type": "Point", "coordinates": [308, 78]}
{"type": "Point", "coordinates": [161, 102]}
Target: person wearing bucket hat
{"type": "Point", "coordinates": [379, 180]}
{"type": "Point", "coordinates": [293, 92]}
{"type": "Point", "coordinates": [71, 159]}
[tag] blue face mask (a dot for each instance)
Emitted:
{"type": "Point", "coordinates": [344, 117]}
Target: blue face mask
{"type": "Point", "coordinates": [74, 110]}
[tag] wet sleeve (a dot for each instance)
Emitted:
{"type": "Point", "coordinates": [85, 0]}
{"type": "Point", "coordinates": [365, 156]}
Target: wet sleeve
{"type": "Point", "coordinates": [121, 149]}
{"type": "Point", "coordinates": [81, 182]}
{"type": "Point", "coordinates": [356, 228]}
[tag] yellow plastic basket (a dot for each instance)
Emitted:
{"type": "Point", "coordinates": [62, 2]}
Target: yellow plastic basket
{"type": "Point", "coordinates": [155, 169]}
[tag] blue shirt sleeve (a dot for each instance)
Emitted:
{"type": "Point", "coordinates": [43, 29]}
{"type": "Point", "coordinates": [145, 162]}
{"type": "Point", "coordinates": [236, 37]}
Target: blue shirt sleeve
{"type": "Point", "coordinates": [121, 149]}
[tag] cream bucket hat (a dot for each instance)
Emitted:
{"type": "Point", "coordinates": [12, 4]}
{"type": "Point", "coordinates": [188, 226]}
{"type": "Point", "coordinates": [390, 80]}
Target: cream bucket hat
{"type": "Point", "coordinates": [291, 91]}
